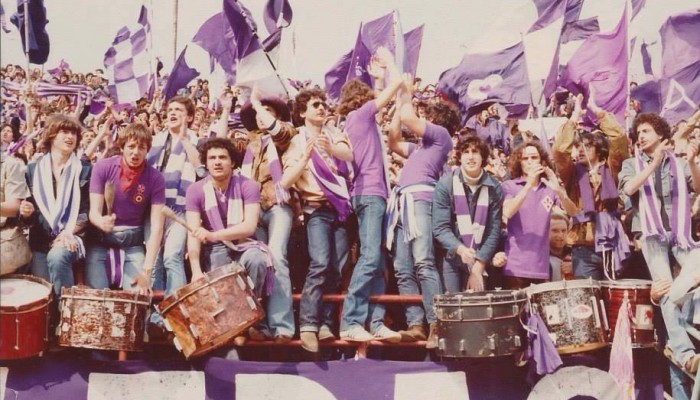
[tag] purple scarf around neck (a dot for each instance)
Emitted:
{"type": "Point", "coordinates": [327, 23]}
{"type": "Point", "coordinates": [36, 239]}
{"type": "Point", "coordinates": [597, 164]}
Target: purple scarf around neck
{"type": "Point", "coordinates": [608, 191]}
{"type": "Point", "coordinates": [471, 230]}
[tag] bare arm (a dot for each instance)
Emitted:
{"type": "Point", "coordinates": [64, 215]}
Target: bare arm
{"type": "Point", "coordinates": [396, 143]}
{"type": "Point", "coordinates": [293, 172]}
{"type": "Point", "coordinates": [408, 115]}
{"type": "Point", "coordinates": [633, 185]}
{"type": "Point", "coordinates": [194, 246]}
{"type": "Point", "coordinates": [243, 230]}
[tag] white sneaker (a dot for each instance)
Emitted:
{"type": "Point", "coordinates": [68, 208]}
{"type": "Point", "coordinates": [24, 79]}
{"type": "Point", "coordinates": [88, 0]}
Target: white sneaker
{"type": "Point", "coordinates": [387, 335]}
{"type": "Point", "coordinates": [357, 334]}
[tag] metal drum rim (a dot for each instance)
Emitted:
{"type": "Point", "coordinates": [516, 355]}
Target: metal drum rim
{"type": "Point", "coordinates": [627, 284]}
{"type": "Point", "coordinates": [31, 305]}
{"type": "Point", "coordinates": [560, 285]}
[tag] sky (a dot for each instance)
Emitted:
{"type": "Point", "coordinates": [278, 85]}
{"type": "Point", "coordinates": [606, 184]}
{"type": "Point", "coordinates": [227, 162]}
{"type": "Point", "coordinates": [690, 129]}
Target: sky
{"type": "Point", "coordinates": [322, 30]}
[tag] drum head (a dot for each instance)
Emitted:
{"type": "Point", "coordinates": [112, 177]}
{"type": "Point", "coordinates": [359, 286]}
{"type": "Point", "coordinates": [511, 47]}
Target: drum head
{"type": "Point", "coordinates": [577, 382]}
{"type": "Point", "coordinates": [18, 291]}
{"type": "Point", "coordinates": [627, 284]}
{"type": "Point", "coordinates": [560, 285]}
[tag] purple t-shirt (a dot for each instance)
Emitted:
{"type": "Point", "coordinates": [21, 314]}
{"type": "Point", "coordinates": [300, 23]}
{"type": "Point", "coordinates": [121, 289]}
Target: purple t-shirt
{"type": "Point", "coordinates": [426, 162]}
{"type": "Point", "coordinates": [527, 244]}
{"type": "Point", "coordinates": [130, 207]}
{"type": "Point", "coordinates": [363, 132]}
{"type": "Point", "coordinates": [194, 200]}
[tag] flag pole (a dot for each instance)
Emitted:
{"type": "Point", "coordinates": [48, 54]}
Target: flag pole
{"type": "Point", "coordinates": [628, 18]}
{"type": "Point", "coordinates": [175, 14]}
{"type": "Point", "coordinates": [26, 37]}
{"type": "Point", "coordinates": [267, 55]}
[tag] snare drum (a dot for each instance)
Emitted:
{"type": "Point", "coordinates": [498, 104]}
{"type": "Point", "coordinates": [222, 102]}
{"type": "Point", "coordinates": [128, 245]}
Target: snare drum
{"type": "Point", "coordinates": [102, 319]}
{"type": "Point", "coordinates": [638, 293]}
{"type": "Point", "coordinates": [14, 250]}
{"type": "Point", "coordinates": [574, 313]}
{"type": "Point", "coordinates": [24, 316]}
{"type": "Point", "coordinates": [480, 324]}
{"type": "Point", "coordinates": [209, 312]}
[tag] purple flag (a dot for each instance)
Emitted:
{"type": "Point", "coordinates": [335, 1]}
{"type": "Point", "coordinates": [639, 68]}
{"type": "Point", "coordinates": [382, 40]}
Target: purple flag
{"type": "Point", "coordinates": [646, 59]}
{"type": "Point", "coordinates": [373, 34]}
{"type": "Point", "coordinates": [413, 40]}
{"type": "Point", "coordinates": [209, 37]}
{"type": "Point", "coordinates": [648, 95]}
{"type": "Point", "coordinates": [243, 29]}
{"type": "Point", "coordinates": [179, 77]}
{"type": "Point", "coordinates": [274, 9]}
{"type": "Point", "coordinates": [601, 61]}
{"type": "Point", "coordinates": [680, 42]}
{"type": "Point", "coordinates": [580, 29]}
{"type": "Point", "coordinates": [336, 77]}
{"type": "Point", "coordinates": [63, 65]}
{"type": "Point", "coordinates": [500, 77]}
{"type": "Point", "coordinates": [637, 6]}
{"type": "Point", "coordinates": [38, 46]}
{"type": "Point", "coordinates": [681, 94]}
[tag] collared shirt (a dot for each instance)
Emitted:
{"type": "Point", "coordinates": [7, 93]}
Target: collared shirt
{"type": "Point", "coordinates": [629, 171]}
{"type": "Point", "coordinates": [445, 228]}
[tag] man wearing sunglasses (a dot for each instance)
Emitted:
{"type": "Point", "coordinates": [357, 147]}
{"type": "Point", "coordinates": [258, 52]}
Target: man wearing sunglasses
{"type": "Point", "coordinates": [316, 165]}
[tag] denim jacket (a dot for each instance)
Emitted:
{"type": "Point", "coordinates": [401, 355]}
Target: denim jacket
{"type": "Point", "coordinates": [445, 221]}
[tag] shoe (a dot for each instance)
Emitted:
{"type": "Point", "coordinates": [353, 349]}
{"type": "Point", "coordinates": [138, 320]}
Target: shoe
{"type": "Point", "coordinates": [387, 335]}
{"type": "Point", "coordinates": [309, 341]}
{"type": "Point", "coordinates": [357, 334]}
{"type": "Point", "coordinates": [239, 340]}
{"type": "Point", "coordinates": [257, 335]}
{"type": "Point", "coordinates": [432, 342]}
{"type": "Point", "coordinates": [414, 333]}
{"type": "Point", "coordinates": [283, 339]}
{"type": "Point", "coordinates": [691, 366]}
{"type": "Point", "coordinates": [325, 334]}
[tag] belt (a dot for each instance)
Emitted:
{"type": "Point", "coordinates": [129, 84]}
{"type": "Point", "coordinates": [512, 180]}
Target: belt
{"type": "Point", "coordinates": [318, 204]}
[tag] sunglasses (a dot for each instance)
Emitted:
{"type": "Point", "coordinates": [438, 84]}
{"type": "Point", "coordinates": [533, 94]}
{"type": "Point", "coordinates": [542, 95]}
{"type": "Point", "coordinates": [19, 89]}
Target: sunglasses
{"type": "Point", "coordinates": [317, 104]}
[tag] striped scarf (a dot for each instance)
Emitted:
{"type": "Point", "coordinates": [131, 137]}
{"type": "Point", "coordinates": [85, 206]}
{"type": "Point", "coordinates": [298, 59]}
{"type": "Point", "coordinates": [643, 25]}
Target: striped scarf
{"type": "Point", "coordinates": [179, 173]}
{"type": "Point", "coordinates": [274, 164]}
{"type": "Point", "coordinates": [471, 230]}
{"type": "Point", "coordinates": [608, 191]}
{"type": "Point", "coordinates": [234, 216]}
{"type": "Point", "coordinates": [401, 207]}
{"type": "Point", "coordinates": [114, 264]}
{"type": "Point", "coordinates": [650, 206]}
{"type": "Point", "coordinates": [60, 210]}
{"type": "Point", "coordinates": [332, 176]}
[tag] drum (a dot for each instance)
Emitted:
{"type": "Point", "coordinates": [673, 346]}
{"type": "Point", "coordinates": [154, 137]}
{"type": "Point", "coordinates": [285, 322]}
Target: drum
{"type": "Point", "coordinates": [24, 316]}
{"type": "Point", "coordinates": [209, 312]}
{"type": "Point", "coordinates": [480, 324]}
{"type": "Point", "coordinates": [638, 293]}
{"type": "Point", "coordinates": [574, 313]}
{"type": "Point", "coordinates": [102, 319]}
{"type": "Point", "coordinates": [14, 250]}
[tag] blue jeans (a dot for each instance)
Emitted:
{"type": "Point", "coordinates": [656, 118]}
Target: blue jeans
{"type": "Point", "coordinates": [455, 274]}
{"type": "Point", "coordinates": [655, 252]}
{"type": "Point", "coordinates": [56, 267]}
{"type": "Point", "coordinates": [368, 276]}
{"type": "Point", "coordinates": [129, 240]}
{"type": "Point", "coordinates": [253, 260]}
{"type": "Point", "coordinates": [328, 250]}
{"type": "Point", "coordinates": [274, 229]}
{"type": "Point", "coordinates": [414, 264]}
{"type": "Point", "coordinates": [169, 269]}
{"type": "Point", "coordinates": [586, 263]}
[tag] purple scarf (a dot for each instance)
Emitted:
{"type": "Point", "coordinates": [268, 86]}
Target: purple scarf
{"type": "Point", "coordinates": [234, 216]}
{"type": "Point", "coordinates": [333, 185]}
{"type": "Point", "coordinates": [541, 349]}
{"type": "Point", "coordinates": [608, 191]}
{"type": "Point", "coordinates": [650, 206]}
{"type": "Point", "coordinates": [471, 230]}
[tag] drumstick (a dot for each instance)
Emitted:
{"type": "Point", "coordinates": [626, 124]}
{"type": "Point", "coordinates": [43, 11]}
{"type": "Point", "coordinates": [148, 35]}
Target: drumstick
{"type": "Point", "coordinates": [169, 213]}
{"type": "Point", "coordinates": [109, 196]}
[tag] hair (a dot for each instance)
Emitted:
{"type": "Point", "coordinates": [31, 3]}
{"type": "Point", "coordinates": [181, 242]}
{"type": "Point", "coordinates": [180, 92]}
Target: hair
{"type": "Point", "coordinates": [596, 139]}
{"type": "Point", "coordinates": [478, 143]}
{"type": "Point", "coordinates": [61, 122]}
{"type": "Point", "coordinates": [137, 131]}
{"type": "Point", "coordinates": [514, 167]}
{"type": "Point", "coordinates": [354, 95]}
{"type": "Point", "coordinates": [186, 102]}
{"type": "Point", "coordinates": [304, 96]}
{"type": "Point", "coordinates": [558, 215]}
{"type": "Point", "coordinates": [139, 112]}
{"type": "Point", "coordinates": [218, 143]}
{"type": "Point", "coordinates": [659, 124]}
{"type": "Point", "coordinates": [445, 115]}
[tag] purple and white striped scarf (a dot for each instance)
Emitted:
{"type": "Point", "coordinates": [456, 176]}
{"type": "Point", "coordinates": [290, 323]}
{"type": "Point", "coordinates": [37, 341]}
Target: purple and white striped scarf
{"type": "Point", "coordinates": [650, 206]}
{"type": "Point", "coordinates": [114, 264]}
{"type": "Point", "coordinates": [179, 173]}
{"type": "Point", "coordinates": [471, 230]}
{"type": "Point", "coordinates": [330, 178]}
{"type": "Point", "coordinates": [60, 210]}
{"type": "Point", "coordinates": [274, 165]}
{"type": "Point", "coordinates": [234, 216]}
{"type": "Point", "coordinates": [400, 206]}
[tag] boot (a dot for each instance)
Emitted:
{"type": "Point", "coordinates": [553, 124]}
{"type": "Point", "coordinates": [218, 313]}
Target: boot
{"type": "Point", "coordinates": [432, 342]}
{"type": "Point", "coordinates": [414, 333]}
